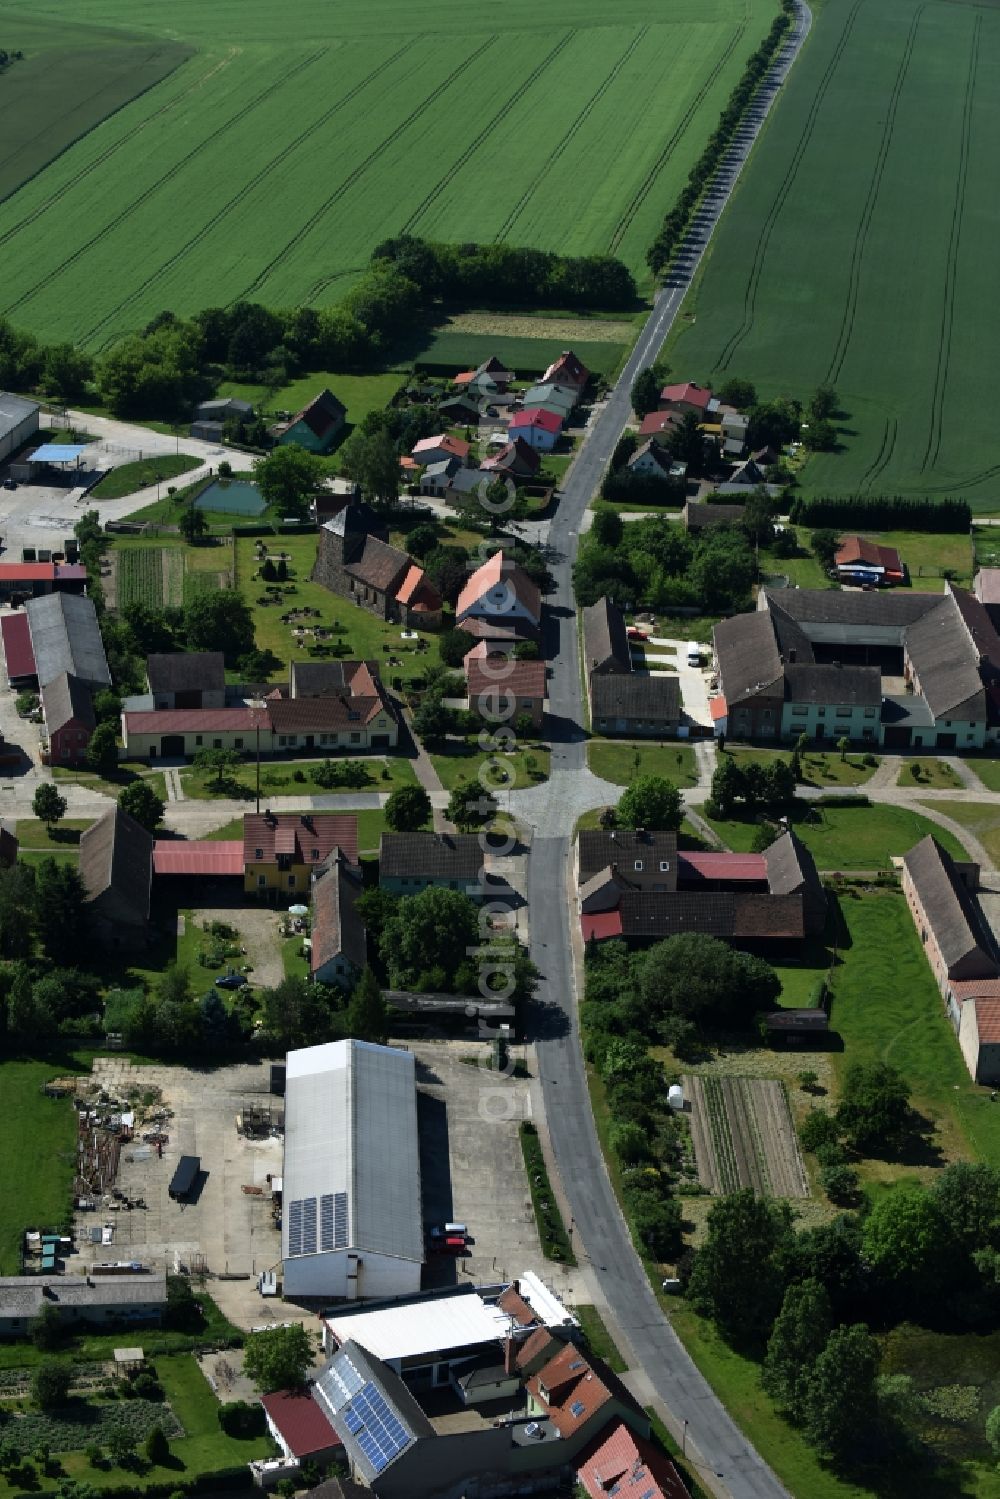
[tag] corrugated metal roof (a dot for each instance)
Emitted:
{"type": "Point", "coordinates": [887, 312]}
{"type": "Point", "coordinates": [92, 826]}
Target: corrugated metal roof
{"type": "Point", "coordinates": [392, 1332]}
{"type": "Point", "coordinates": [181, 857]}
{"type": "Point", "coordinates": [17, 650]}
{"type": "Point", "coordinates": [351, 1127]}
{"type": "Point", "coordinates": [65, 636]}
{"type": "Point", "coordinates": [42, 572]}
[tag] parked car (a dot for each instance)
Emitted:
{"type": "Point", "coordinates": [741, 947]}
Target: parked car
{"type": "Point", "coordinates": [634, 633]}
{"type": "Point", "coordinates": [230, 981]}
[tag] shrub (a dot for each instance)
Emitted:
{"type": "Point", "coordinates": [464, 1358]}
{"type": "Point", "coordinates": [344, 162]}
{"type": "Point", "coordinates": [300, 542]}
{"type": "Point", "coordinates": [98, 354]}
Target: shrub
{"type": "Point", "coordinates": [50, 1384]}
{"type": "Point", "coordinates": [818, 1128]}
{"type": "Point", "coordinates": [840, 1183]}
{"type": "Point", "coordinates": [157, 1447]}
{"type": "Point", "coordinates": [239, 1418]}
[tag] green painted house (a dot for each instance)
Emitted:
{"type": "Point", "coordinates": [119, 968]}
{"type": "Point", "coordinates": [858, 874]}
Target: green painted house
{"type": "Point", "coordinates": [316, 427]}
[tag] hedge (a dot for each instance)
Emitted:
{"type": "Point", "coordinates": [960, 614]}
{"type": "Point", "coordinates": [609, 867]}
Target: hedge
{"type": "Point", "coordinates": [897, 512]}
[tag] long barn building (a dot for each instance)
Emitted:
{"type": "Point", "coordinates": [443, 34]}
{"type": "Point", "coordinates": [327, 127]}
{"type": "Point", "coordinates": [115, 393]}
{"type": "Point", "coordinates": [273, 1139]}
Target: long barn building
{"type": "Point", "coordinates": [351, 1219]}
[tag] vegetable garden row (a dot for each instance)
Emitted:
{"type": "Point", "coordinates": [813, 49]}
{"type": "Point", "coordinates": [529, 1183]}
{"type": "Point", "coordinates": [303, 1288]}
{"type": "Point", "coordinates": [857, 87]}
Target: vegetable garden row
{"type": "Point", "coordinates": [744, 1137]}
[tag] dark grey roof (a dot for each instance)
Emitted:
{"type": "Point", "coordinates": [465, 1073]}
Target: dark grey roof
{"type": "Point", "coordinates": [908, 709]}
{"type": "Point", "coordinates": [22, 1295]}
{"type": "Point", "coordinates": [66, 637]}
{"type": "Point", "coordinates": [468, 480]}
{"type": "Point", "coordinates": [605, 640]}
{"type": "Point", "coordinates": [320, 678]}
{"type": "Point", "coordinates": [13, 411]}
{"type": "Point", "coordinates": [350, 1372]}
{"type": "Point", "coordinates": [796, 1020]}
{"type": "Point", "coordinates": [186, 671]}
{"type": "Point", "coordinates": [746, 648]}
{"type": "Point", "coordinates": [356, 519]}
{"type": "Point", "coordinates": [841, 606]}
{"type": "Point", "coordinates": [116, 853]}
{"type": "Point", "coordinates": [636, 696]}
{"type": "Point", "coordinates": [946, 658]}
{"type": "Point", "coordinates": [719, 915]}
{"type": "Point", "coordinates": [221, 408]}
{"type": "Point", "coordinates": [951, 911]}
{"type": "Point", "coordinates": [697, 516]}
{"type": "Point", "coordinates": [337, 927]}
{"type": "Point", "coordinates": [439, 856]}
{"type": "Point", "coordinates": [791, 870]}
{"type": "Point", "coordinates": [854, 686]}
{"type": "Point", "coordinates": [599, 848]}
{"type": "Point", "coordinates": [65, 698]}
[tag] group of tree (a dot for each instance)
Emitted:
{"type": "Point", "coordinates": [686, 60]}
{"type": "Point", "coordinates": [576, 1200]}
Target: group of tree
{"type": "Point", "coordinates": [665, 567]}
{"type": "Point", "coordinates": [42, 903]}
{"type": "Point", "coordinates": [648, 801]}
{"type": "Point", "coordinates": [856, 512]}
{"type": "Point", "coordinates": [745, 787]}
{"type": "Point", "coordinates": [676, 222]}
{"type": "Point", "coordinates": [676, 992]}
{"type": "Point", "coordinates": [59, 370]}
{"type": "Point", "coordinates": [645, 1141]}
{"type": "Point", "coordinates": [39, 1001]}
{"type": "Point", "coordinates": [490, 274]}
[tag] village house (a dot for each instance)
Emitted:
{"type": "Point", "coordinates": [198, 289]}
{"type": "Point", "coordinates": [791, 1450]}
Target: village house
{"type": "Point", "coordinates": [559, 399]}
{"type": "Point", "coordinates": [300, 1427]}
{"type": "Point", "coordinates": [567, 370]}
{"type": "Point", "coordinates": [733, 427]}
{"type": "Point", "coordinates": [748, 477]}
{"type": "Point", "coordinates": [411, 862]}
{"type": "Point", "coordinates": [187, 679]}
{"type": "Point", "coordinates": [798, 666]}
{"type": "Point", "coordinates": [116, 867]}
{"type": "Point", "coordinates": [179, 733]}
{"type": "Point", "coordinates": [652, 461]}
{"type": "Point", "coordinates": [68, 711]}
{"type": "Point", "coordinates": [338, 950]}
{"type": "Point", "coordinates": [283, 850]}
{"type": "Point", "coordinates": [620, 1462]}
{"type": "Point", "coordinates": [440, 449]}
{"type": "Point", "coordinates": [212, 418]}
{"type": "Point", "coordinates": [501, 689]}
{"type": "Point", "coordinates": [635, 705]}
{"type": "Point", "coordinates": [488, 377]}
{"type": "Point", "coordinates": [539, 428]}
{"type": "Point", "coordinates": [580, 1395]}
{"type": "Point", "coordinates": [658, 425]}
{"type": "Point", "coordinates": [452, 480]}
{"type": "Point", "coordinates": [316, 427]}
{"type": "Point", "coordinates": [461, 410]}
{"type": "Point", "coordinates": [515, 460]}
{"type": "Point", "coordinates": [861, 561]}
{"type": "Point", "coordinates": [688, 399]}
{"type": "Point", "coordinates": [355, 560]}
{"type": "Point", "coordinates": [605, 640]}
{"type": "Point", "coordinates": [500, 593]}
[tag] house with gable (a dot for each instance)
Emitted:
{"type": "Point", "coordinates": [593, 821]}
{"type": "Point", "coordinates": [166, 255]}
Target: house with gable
{"type": "Point", "coordinates": [559, 399]}
{"type": "Point", "coordinates": [688, 399]}
{"type": "Point", "coordinates": [538, 428]}
{"type": "Point", "coordinates": [282, 851]}
{"type": "Point", "coordinates": [440, 449]}
{"type": "Point", "coordinates": [316, 427]}
{"type": "Point", "coordinates": [116, 867]}
{"type": "Point", "coordinates": [516, 460]}
{"type": "Point", "coordinates": [486, 379]}
{"type": "Point", "coordinates": [354, 559]}
{"type": "Point", "coordinates": [500, 592]}
{"type": "Point", "coordinates": [567, 370]}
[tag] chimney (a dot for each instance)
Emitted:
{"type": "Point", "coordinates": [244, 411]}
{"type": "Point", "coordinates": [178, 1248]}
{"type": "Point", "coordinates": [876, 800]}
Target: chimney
{"type": "Point", "coordinates": [791, 657]}
{"type": "Point", "coordinates": [509, 1355]}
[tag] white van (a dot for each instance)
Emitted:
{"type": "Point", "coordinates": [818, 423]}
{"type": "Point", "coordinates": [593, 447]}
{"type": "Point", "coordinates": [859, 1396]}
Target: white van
{"type": "Point", "coordinates": [693, 653]}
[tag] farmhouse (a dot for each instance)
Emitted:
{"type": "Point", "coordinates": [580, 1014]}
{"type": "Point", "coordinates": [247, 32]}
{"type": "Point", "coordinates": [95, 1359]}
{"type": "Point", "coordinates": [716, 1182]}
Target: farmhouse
{"type": "Point", "coordinates": [411, 862]}
{"type": "Point", "coordinates": [173, 733]}
{"type": "Point", "coordinates": [283, 850]}
{"type": "Point", "coordinates": [636, 705]}
{"type": "Point", "coordinates": [902, 669]}
{"type": "Point", "coordinates": [360, 718]}
{"type": "Point", "coordinates": [651, 461]}
{"type": "Point", "coordinates": [502, 689]}
{"type": "Point", "coordinates": [29, 580]}
{"type": "Point", "coordinates": [66, 637]}
{"type": "Point", "coordinates": [538, 428]}
{"type": "Point", "coordinates": [116, 867]}
{"type": "Point", "coordinates": [658, 425]}
{"type": "Point", "coordinates": [515, 460]}
{"type": "Point", "coordinates": [68, 710]}
{"type": "Point", "coordinates": [352, 1224]}
{"type": "Point", "coordinates": [688, 399]}
{"type": "Point", "coordinates": [18, 422]}
{"type": "Point", "coordinates": [339, 946]}
{"type": "Point", "coordinates": [187, 679]}
{"type": "Point", "coordinates": [605, 641]}
{"type": "Point", "coordinates": [316, 427]}
{"type": "Point", "coordinates": [639, 886]}
{"type": "Point", "coordinates": [488, 377]}
{"type": "Point", "coordinates": [358, 563]}
{"type": "Point", "coordinates": [81, 1299]}
{"type": "Point", "coordinates": [861, 561]}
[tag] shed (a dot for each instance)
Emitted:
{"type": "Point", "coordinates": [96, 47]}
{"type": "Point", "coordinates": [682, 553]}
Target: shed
{"type": "Point", "coordinates": [128, 1361]}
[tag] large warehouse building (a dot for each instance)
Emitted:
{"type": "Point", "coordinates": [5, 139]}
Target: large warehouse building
{"type": "Point", "coordinates": [351, 1220]}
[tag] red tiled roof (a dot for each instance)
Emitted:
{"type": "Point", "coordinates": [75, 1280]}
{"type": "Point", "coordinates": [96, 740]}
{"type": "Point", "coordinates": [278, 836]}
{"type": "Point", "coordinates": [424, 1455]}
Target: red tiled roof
{"type": "Point", "coordinates": [42, 572]}
{"type": "Point", "coordinates": [575, 1388]}
{"type": "Point", "coordinates": [288, 832]}
{"type": "Point", "coordinates": [621, 1463]}
{"type": "Point", "coordinates": [17, 649]}
{"type": "Point", "coordinates": [178, 856]}
{"type": "Point", "coordinates": [536, 417]}
{"type": "Point", "coordinates": [722, 866]}
{"type": "Point", "coordinates": [857, 551]}
{"type": "Point", "coordinates": [988, 1020]}
{"type": "Point", "coordinates": [445, 443]}
{"type": "Point", "coordinates": [409, 585]}
{"type": "Point", "coordinates": [532, 1346]}
{"type": "Point", "coordinates": [692, 395]}
{"type": "Point", "coordinates": [515, 455]}
{"type": "Point", "coordinates": [494, 570]}
{"type": "Point", "coordinates": [657, 421]}
{"type": "Point", "coordinates": [301, 1422]}
{"type": "Point", "coordinates": [567, 369]}
{"type": "Point", "coordinates": [975, 988]}
{"type": "Point", "coordinates": [520, 678]}
{"type": "Point", "coordinates": [192, 721]}
{"type": "Point", "coordinates": [514, 1304]}
{"type": "Point", "coordinates": [718, 708]}
{"type": "Point", "coordinates": [600, 925]}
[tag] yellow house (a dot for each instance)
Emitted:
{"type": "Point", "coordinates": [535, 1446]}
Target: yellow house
{"type": "Point", "coordinates": [283, 850]}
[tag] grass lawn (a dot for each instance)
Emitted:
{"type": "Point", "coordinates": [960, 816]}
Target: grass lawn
{"type": "Point", "coordinates": [359, 393]}
{"type": "Point", "coordinates": [988, 771]}
{"type": "Point", "coordinates": [228, 833]}
{"type": "Point", "coordinates": [818, 767]}
{"type": "Point", "coordinates": [298, 778]}
{"type": "Point", "coordinates": [621, 760]}
{"type": "Point", "coordinates": [800, 971]}
{"type": "Point", "coordinates": [844, 838]}
{"type": "Point", "coordinates": [599, 1340]}
{"type": "Point", "coordinates": [462, 760]}
{"type": "Point", "coordinates": [37, 1150]}
{"type": "Point", "coordinates": [93, 782]}
{"type": "Point", "coordinates": [927, 556]}
{"type": "Point", "coordinates": [933, 775]}
{"type": "Point", "coordinates": [66, 834]}
{"type": "Point", "coordinates": [981, 818]}
{"type": "Point", "coordinates": [130, 477]}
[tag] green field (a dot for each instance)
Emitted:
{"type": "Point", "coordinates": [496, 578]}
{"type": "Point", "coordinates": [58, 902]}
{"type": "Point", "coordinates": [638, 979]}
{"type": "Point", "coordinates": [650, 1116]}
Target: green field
{"type": "Point", "coordinates": [615, 760]}
{"type": "Point", "coordinates": [129, 478]}
{"type": "Point", "coordinates": [886, 263]}
{"type": "Point", "coordinates": [36, 1161]}
{"type": "Point", "coordinates": [846, 838]}
{"type": "Point", "coordinates": [268, 165]}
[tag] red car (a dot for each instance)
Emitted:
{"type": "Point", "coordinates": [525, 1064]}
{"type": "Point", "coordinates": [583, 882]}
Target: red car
{"type": "Point", "coordinates": [634, 633]}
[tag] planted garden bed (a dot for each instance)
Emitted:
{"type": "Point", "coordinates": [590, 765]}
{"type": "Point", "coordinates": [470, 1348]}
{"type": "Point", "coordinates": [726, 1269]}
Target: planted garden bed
{"type": "Point", "coordinates": [743, 1136]}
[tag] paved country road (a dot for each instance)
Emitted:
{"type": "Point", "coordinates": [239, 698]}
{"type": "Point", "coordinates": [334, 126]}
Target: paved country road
{"type": "Point", "coordinates": [726, 1461]}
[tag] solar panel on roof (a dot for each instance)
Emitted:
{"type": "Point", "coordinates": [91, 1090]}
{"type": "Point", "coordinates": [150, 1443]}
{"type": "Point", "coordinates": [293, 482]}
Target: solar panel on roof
{"type": "Point", "coordinates": [577, 1408]}
{"type": "Point", "coordinates": [352, 1420]}
{"type": "Point", "coordinates": [295, 1227]}
{"type": "Point", "coordinates": [382, 1436]}
{"type": "Point", "coordinates": [326, 1221]}
{"type": "Point", "coordinates": [309, 1226]}
{"type": "Point", "coordinates": [347, 1380]}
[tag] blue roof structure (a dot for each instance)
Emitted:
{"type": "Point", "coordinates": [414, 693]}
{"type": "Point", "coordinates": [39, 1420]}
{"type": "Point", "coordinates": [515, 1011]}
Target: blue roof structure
{"type": "Point", "coordinates": [58, 452]}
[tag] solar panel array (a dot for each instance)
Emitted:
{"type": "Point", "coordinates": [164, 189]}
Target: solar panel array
{"type": "Point", "coordinates": [331, 1212]}
{"type": "Point", "coordinates": [333, 1220]}
{"type": "Point", "coordinates": [379, 1432]}
{"type": "Point", "coordinates": [348, 1382]}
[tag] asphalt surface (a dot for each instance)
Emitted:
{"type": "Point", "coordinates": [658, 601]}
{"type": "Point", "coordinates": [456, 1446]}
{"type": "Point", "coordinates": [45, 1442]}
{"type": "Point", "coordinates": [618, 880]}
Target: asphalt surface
{"type": "Point", "coordinates": [726, 1462]}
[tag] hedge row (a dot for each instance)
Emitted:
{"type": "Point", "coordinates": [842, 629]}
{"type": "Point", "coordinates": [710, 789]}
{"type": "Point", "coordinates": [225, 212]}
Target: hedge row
{"type": "Point", "coordinates": [896, 512]}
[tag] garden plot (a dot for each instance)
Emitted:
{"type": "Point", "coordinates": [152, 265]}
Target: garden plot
{"type": "Point", "coordinates": [743, 1136]}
